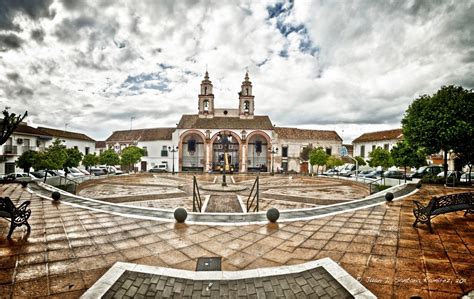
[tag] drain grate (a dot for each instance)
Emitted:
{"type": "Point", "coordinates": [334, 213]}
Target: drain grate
{"type": "Point", "coordinates": [209, 264]}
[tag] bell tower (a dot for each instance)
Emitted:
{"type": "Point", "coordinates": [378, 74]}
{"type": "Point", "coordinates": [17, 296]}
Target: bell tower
{"type": "Point", "coordinates": [246, 99]}
{"type": "Point", "coordinates": [206, 98]}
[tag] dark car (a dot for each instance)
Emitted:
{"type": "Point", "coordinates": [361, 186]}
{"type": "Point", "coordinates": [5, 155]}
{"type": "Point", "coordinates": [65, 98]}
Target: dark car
{"type": "Point", "coordinates": [374, 174]}
{"type": "Point", "coordinates": [97, 171]}
{"type": "Point", "coordinates": [432, 170]}
{"type": "Point", "coordinates": [394, 174]}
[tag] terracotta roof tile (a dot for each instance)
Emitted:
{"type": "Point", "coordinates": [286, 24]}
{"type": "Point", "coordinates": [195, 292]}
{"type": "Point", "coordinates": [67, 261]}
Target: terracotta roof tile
{"type": "Point", "coordinates": [261, 122]}
{"type": "Point", "coordinates": [141, 135]}
{"type": "Point", "coordinates": [295, 133]}
{"type": "Point", "coordinates": [100, 144]}
{"type": "Point", "coordinates": [379, 135]}
{"type": "Point", "coordinates": [25, 129]}
{"type": "Point", "coordinates": [65, 134]}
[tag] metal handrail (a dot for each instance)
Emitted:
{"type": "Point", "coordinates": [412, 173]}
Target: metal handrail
{"type": "Point", "coordinates": [256, 187]}
{"type": "Point", "coordinates": [373, 182]}
{"type": "Point", "coordinates": [197, 202]}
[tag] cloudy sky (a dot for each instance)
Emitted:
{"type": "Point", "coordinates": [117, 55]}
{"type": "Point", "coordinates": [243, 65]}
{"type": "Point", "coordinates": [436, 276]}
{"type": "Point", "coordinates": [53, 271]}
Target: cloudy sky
{"type": "Point", "coordinates": [349, 66]}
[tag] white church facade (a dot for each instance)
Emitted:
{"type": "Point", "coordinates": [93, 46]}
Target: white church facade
{"type": "Point", "coordinates": [253, 142]}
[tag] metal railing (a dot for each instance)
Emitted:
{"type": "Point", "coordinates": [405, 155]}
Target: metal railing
{"type": "Point", "coordinates": [255, 198]}
{"type": "Point", "coordinates": [372, 188]}
{"type": "Point", "coordinates": [10, 149]}
{"type": "Point", "coordinates": [197, 202]}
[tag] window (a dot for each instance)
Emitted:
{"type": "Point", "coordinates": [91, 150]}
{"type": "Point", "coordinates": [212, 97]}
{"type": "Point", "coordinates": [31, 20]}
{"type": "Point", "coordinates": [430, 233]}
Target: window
{"type": "Point", "coordinates": [87, 150]}
{"type": "Point", "coordinates": [386, 147]}
{"type": "Point", "coordinates": [205, 90]}
{"type": "Point", "coordinates": [145, 151]}
{"type": "Point", "coordinates": [328, 150]}
{"type": "Point", "coordinates": [164, 151]}
{"type": "Point", "coordinates": [284, 151]}
{"type": "Point", "coordinates": [258, 146]}
{"type": "Point", "coordinates": [191, 145]}
{"type": "Point", "coordinates": [362, 150]}
{"type": "Point", "coordinates": [206, 105]}
{"type": "Point", "coordinates": [373, 147]}
{"type": "Point", "coordinates": [247, 89]}
{"type": "Point", "coordinates": [75, 147]}
{"type": "Point", "coordinates": [246, 106]}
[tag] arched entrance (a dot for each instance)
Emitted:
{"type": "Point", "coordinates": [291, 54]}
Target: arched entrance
{"type": "Point", "coordinates": [192, 151]}
{"type": "Point", "coordinates": [233, 151]}
{"type": "Point", "coordinates": [258, 145]}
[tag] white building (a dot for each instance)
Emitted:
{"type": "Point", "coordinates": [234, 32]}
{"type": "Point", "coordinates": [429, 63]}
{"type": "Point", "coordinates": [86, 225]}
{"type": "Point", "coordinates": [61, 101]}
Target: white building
{"type": "Point", "coordinates": [23, 139]}
{"type": "Point", "coordinates": [82, 142]}
{"type": "Point", "coordinates": [367, 142]}
{"type": "Point", "coordinates": [250, 140]}
{"type": "Point", "coordinates": [26, 138]}
{"type": "Point", "coordinates": [156, 142]}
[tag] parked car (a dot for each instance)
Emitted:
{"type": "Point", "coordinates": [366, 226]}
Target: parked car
{"type": "Point", "coordinates": [85, 172]}
{"type": "Point", "coordinates": [348, 170]}
{"type": "Point", "coordinates": [465, 177]}
{"type": "Point", "coordinates": [20, 177]}
{"type": "Point", "coordinates": [394, 174]}
{"type": "Point", "coordinates": [451, 174]}
{"type": "Point", "coordinates": [41, 173]}
{"type": "Point", "coordinates": [74, 172]}
{"type": "Point", "coordinates": [159, 168]}
{"type": "Point", "coordinates": [111, 169]}
{"type": "Point", "coordinates": [97, 171]}
{"type": "Point", "coordinates": [331, 172]}
{"type": "Point", "coordinates": [426, 170]}
{"type": "Point", "coordinates": [373, 174]}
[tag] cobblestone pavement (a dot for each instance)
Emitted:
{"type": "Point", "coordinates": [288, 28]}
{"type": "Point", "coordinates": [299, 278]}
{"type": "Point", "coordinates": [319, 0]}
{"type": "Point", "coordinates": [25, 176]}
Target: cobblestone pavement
{"type": "Point", "coordinates": [70, 248]}
{"type": "Point", "coordinates": [315, 283]}
{"type": "Point", "coordinates": [223, 203]}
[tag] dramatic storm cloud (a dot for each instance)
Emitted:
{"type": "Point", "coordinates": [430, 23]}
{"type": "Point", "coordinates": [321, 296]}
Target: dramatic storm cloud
{"type": "Point", "coordinates": [353, 66]}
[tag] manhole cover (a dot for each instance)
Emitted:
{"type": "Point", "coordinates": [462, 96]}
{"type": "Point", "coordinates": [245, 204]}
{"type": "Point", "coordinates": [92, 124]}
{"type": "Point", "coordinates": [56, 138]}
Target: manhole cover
{"type": "Point", "coordinates": [209, 264]}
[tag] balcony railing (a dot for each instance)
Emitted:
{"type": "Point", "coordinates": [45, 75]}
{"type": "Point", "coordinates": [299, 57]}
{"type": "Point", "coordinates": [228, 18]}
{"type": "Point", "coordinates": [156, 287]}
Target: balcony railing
{"type": "Point", "coordinates": [10, 150]}
{"type": "Point", "coordinates": [26, 148]}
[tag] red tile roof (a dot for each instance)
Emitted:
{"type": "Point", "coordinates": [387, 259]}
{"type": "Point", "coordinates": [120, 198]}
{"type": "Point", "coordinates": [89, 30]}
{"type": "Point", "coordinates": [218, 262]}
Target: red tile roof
{"type": "Point", "coordinates": [25, 129]}
{"type": "Point", "coordinates": [65, 134]}
{"type": "Point", "coordinates": [195, 122]}
{"type": "Point", "coordinates": [380, 135]}
{"type": "Point", "coordinates": [295, 133]}
{"type": "Point", "coordinates": [141, 135]}
{"type": "Point", "coordinates": [100, 144]}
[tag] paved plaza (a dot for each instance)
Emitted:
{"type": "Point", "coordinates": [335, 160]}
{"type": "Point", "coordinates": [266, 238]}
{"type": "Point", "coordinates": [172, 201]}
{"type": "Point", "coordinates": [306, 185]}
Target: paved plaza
{"type": "Point", "coordinates": [70, 248]}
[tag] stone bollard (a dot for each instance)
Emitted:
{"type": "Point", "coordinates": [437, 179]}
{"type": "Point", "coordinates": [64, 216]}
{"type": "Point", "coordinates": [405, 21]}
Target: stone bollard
{"type": "Point", "coordinates": [389, 196]}
{"type": "Point", "coordinates": [180, 215]}
{"type": "Point", "coordinates": [273, 215]}
{"type": "Point", "coordinates": [56, 195]}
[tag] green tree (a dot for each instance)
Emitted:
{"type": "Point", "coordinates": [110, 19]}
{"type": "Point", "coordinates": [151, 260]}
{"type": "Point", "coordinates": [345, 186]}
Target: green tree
{"type": "Point", "coordinates": [318, 157]}
{"type": "Point", "coordinates": [380, 157]}
{"type": "Point", "coordinates": [333, 161]}
{"type": "Point", "coordinates": [109, 157]}
{"type": "Point", "coordinates": [131, 155]}
{"type": "Point", "coordinates": [406, 155]}
{"type": "Point", "coordinates": [90, 160]}
{"type": "Point", "coordinates": [360, 161]}
{"type": "Point", "coordinates": [74, 158]}
{"type": "Point", "coordinates": [26, 160]}
{"type": "Point", "coordinates": [441, 122]}
{"type": "Point", "coordinates": [9, 123]}
{"type": "Point", "coordinates": [304, 154]}
{"type": "Point", "coordinates": [53, 157]}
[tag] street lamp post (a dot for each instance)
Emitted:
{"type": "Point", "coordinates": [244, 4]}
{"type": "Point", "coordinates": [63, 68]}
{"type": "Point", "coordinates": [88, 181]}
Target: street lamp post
{"type": "Point", "coordinates": [224, 140]}
{"type": "Point", "coordinates": [173, 150]}
{"type": "Point", "coordinates": [273, 152]}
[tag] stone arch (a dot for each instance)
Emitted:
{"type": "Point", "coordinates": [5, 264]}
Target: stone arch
{"type": "Point", "coordinates": [235, 152]}
{"type": "Point", "coordinates": [192, 160]}
{"type": "Point", "coordinates": [258, 160]}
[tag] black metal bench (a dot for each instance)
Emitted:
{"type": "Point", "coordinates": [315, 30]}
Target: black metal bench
{"type": "Point", "coordinates": [17, 216]}
{"type": "Point", "coordinates": [442, 205]}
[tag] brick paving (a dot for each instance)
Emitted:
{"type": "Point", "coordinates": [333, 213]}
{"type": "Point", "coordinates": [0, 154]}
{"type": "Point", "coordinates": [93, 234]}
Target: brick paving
{"type": "Point", "coordinates": [314, 283]}
{"type": "Point", "coordinates": [70, 248]}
